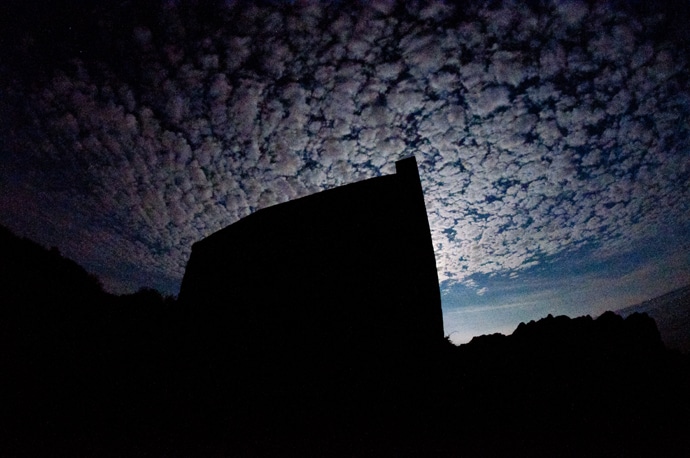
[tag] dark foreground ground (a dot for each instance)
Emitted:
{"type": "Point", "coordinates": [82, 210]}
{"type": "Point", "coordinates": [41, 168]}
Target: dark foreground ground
{"type": "Point", "coordinates": [89, 374]}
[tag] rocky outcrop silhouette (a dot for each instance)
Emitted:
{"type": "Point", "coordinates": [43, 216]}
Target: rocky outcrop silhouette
{"type": "Point", "coordinates": [114, 376]}
{"type": "Point", "coordinates": [571, 387]}
{"type": "Point", "coordinates": [352, 265]}
{"type": "Point", "coordinates": [671, 312]}
{"type": "Point", "coordinates": [328, 299]}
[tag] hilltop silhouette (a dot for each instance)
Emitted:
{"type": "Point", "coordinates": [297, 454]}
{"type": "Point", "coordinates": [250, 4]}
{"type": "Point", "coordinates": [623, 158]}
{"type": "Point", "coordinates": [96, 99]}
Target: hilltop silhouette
{"type": "Point", "coordinates": [87, 373]}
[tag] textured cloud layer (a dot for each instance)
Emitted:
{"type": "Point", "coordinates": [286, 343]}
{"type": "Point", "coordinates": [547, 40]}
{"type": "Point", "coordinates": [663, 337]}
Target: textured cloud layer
{"type": "Point", "coordinates": [538, 130]}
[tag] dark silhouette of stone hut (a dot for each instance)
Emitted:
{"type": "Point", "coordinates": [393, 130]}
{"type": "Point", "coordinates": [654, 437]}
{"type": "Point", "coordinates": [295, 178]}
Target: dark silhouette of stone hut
{"type": "Point", "coordinates": [339, 285]}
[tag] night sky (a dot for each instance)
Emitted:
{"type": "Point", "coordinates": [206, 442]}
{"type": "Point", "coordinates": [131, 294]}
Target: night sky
{"type": "Point", "coordinates": [552, 137]}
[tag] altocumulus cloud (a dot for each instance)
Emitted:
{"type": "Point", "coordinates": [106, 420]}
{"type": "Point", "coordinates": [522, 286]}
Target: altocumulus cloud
{"type": "Point", "coordinates": [538, 130]}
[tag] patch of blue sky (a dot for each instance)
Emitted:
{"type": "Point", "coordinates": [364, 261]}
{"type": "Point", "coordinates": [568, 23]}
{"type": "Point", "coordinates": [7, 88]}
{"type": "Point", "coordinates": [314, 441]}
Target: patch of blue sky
{"type": "Point", "coordinates": [574, 283]}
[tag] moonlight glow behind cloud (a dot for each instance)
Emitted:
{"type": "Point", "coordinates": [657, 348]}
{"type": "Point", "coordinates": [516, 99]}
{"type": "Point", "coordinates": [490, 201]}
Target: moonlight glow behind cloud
{"type": "Point", "coordinates": [539, 131]}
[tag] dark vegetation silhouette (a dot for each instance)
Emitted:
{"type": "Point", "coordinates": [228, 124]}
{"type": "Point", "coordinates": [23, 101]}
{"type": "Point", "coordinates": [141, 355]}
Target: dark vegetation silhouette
{"type": "Point", "coordinates": [87, 373]}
